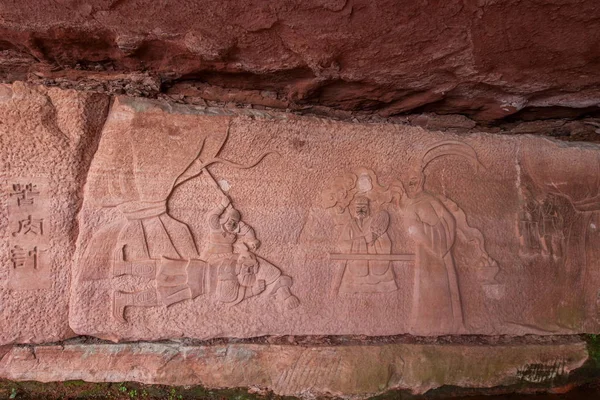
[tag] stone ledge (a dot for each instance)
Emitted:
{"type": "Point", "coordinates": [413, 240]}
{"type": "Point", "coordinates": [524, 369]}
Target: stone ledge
{"type": "Point", "coordinates": [350, 371]}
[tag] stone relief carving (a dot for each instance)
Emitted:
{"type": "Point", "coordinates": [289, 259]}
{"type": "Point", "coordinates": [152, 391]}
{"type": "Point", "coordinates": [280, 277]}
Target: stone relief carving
{"type": "Point", "coordinates": [357, 200]}
{"type": "Point", "coordinates": [235, 272]}
{"type": "Point", "coordinates": [433, 222]}
{"type": "Point", "coordinates": [148, 242]}
{"type": "Point", "coordinates": [541, 225]}
{"type": "Point", "coordinates": [358, 203]}
{"type": "Point", "coordinates": [564, 187]}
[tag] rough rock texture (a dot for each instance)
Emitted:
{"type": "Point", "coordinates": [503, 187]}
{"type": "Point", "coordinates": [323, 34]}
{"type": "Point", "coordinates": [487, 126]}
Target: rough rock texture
{"type": "Point", "coordinates": [484, 58]}
{"type": "Point", "coordinates": [208, 223]}
{"type": "Point", "coordinates": [345, 371]}
{"type": "Point", "coordinates": [47, 140]}
{"type": "Point", "coordinates": [142, 220]}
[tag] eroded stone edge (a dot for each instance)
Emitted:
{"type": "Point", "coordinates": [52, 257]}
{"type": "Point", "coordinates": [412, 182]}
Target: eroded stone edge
{"type": "Point", "coordinates": [350, 371]}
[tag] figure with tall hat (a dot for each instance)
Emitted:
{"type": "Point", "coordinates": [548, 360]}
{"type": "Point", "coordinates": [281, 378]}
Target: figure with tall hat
{"type": "Point", "coordinates": [433, 222]}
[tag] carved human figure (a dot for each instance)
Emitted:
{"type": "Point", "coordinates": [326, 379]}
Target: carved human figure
{"type": "Point", "coordinates": [136, 174]}
{"type": "Point", "coordinates": [366, 233]}
{"type": "Point", "coordinates": [551, 228]}
{"type": "Point", "coordinates": [436, 296]}
{"type": "Point", "coordinates": [432, 222]}
{"type": "Point", "coordinates": [528, 224]}
{"type": "Point", "coordinates": [146, 248]}
{"type": "Point", "coordinates": [235, 273]}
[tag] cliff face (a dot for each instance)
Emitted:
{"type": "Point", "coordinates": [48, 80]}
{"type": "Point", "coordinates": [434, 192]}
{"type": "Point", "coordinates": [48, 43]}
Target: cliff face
{"type": "Point", "coordinates": [489, 60]}
{"type": "Point", "coordinates": [310, 198]}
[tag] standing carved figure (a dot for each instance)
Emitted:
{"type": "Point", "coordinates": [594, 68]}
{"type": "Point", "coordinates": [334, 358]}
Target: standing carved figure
{"type": "Point", "coordinates": [235, 273]}
{"type": "Point", "coordinates": [552, 228]}
{"type": "Point", "coordinates": [366, 234]}
{"type": "Point", "coordinates": [433, 222]}
{"type": "Point", "coordinates": [528, 225]}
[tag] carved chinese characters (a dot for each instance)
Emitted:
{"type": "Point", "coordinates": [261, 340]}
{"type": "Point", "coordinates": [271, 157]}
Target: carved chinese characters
{"type": "Point", "coordinates": [47, 140]}
{"type": "Point", "coordinates": [29, 236]}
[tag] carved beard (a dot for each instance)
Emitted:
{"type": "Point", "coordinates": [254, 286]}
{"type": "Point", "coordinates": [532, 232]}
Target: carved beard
{"type": "Point", "coordinates": [361, 215]}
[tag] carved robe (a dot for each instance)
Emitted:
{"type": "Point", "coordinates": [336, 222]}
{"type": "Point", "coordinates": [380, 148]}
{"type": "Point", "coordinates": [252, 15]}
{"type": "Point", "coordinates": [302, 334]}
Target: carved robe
{"type": "Point", "coordinates": [153, 244]}
{"type": "Point", "coordinates": [436, 296]}
{"type": "Point", "coordinates": [367, 236]}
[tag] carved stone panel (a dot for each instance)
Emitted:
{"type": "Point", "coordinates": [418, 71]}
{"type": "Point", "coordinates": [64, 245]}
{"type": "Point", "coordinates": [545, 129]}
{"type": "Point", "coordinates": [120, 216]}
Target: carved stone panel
{"type": "Point", "coordinates": [47, 141]}
{"type": "Point", "coordinates": [205, 223]}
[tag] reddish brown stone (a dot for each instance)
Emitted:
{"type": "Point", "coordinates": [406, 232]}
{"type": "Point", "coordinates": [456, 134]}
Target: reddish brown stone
{"type": "Point", "coordinates": [371, 229]}
{"type": "Point", "coordinates": [487, 59]}
{"type": "Point", "coordinates": [47, 140]}
{"type": "Point", "coordinates": [346, 371]}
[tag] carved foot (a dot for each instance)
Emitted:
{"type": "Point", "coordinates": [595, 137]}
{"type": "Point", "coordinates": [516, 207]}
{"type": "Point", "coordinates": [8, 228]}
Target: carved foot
{"type": "Point", "coordinates": [120, 268]}
{"type": "Point", "coordinates": [291, 302]}
{"type": "Point", "coordinates": [283, 282]}
{"type": "Point", "coordinates": [118, 306]}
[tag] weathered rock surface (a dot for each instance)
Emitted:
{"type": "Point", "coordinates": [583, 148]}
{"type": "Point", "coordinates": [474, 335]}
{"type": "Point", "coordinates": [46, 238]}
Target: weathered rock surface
{"type": "Point", "coordinates": [47, 140]}
{"type": "Point", "coordinates": [487, 59]}
{"type": "Point", "coordinates": [345, 371]}
{"type": "Point", "coordinates": [203, 223]}
{"type": "Point", "coordinates": [150, 220]}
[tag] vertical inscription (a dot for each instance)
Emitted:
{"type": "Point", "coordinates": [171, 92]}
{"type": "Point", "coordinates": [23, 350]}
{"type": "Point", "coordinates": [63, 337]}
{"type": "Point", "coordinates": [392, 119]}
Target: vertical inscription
{"type": "Point", "coordinates": [27, 235]}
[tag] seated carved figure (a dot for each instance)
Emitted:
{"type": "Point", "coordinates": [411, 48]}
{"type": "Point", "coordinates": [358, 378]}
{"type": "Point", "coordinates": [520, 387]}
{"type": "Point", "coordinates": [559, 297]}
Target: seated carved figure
{"type": "Point", "coordinates": [235, 273]}
{"type": "Point", "coordinates": [365, 233]}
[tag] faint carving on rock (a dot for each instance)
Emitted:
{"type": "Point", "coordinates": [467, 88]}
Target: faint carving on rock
{"type": "Point", "coordinates": [565, 183]}
{"type": "Point", "coordinates": [235, 272]}
{"type": "Point", "coordinates": [528, 223]}
{"type": "Point", "coordinates": [313, 368]}
{"type": "Point", "coordinates": [433, 222]}
{"type": "Point", "coordinates": [543, 372]}
{"type": "Point", "coordinates": [365, 247]}
{"type": "Point", "coordinates": [552, 226]}
{"type": "Point", "coordinates": [541, 225]}
{"type": "Point", "coordinates": [140, 175]}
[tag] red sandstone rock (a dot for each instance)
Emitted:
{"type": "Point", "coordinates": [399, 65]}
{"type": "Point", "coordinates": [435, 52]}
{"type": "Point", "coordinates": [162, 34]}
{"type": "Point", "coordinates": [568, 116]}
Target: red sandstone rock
{"type": "Point", "coordinates": [347, 371]}
{"type": "Point", "coordinates": [201, 222]}
{"type": "Point", "coordinates": [487, 59]}
{"type": "Point", "coordinates": [47, 140]}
